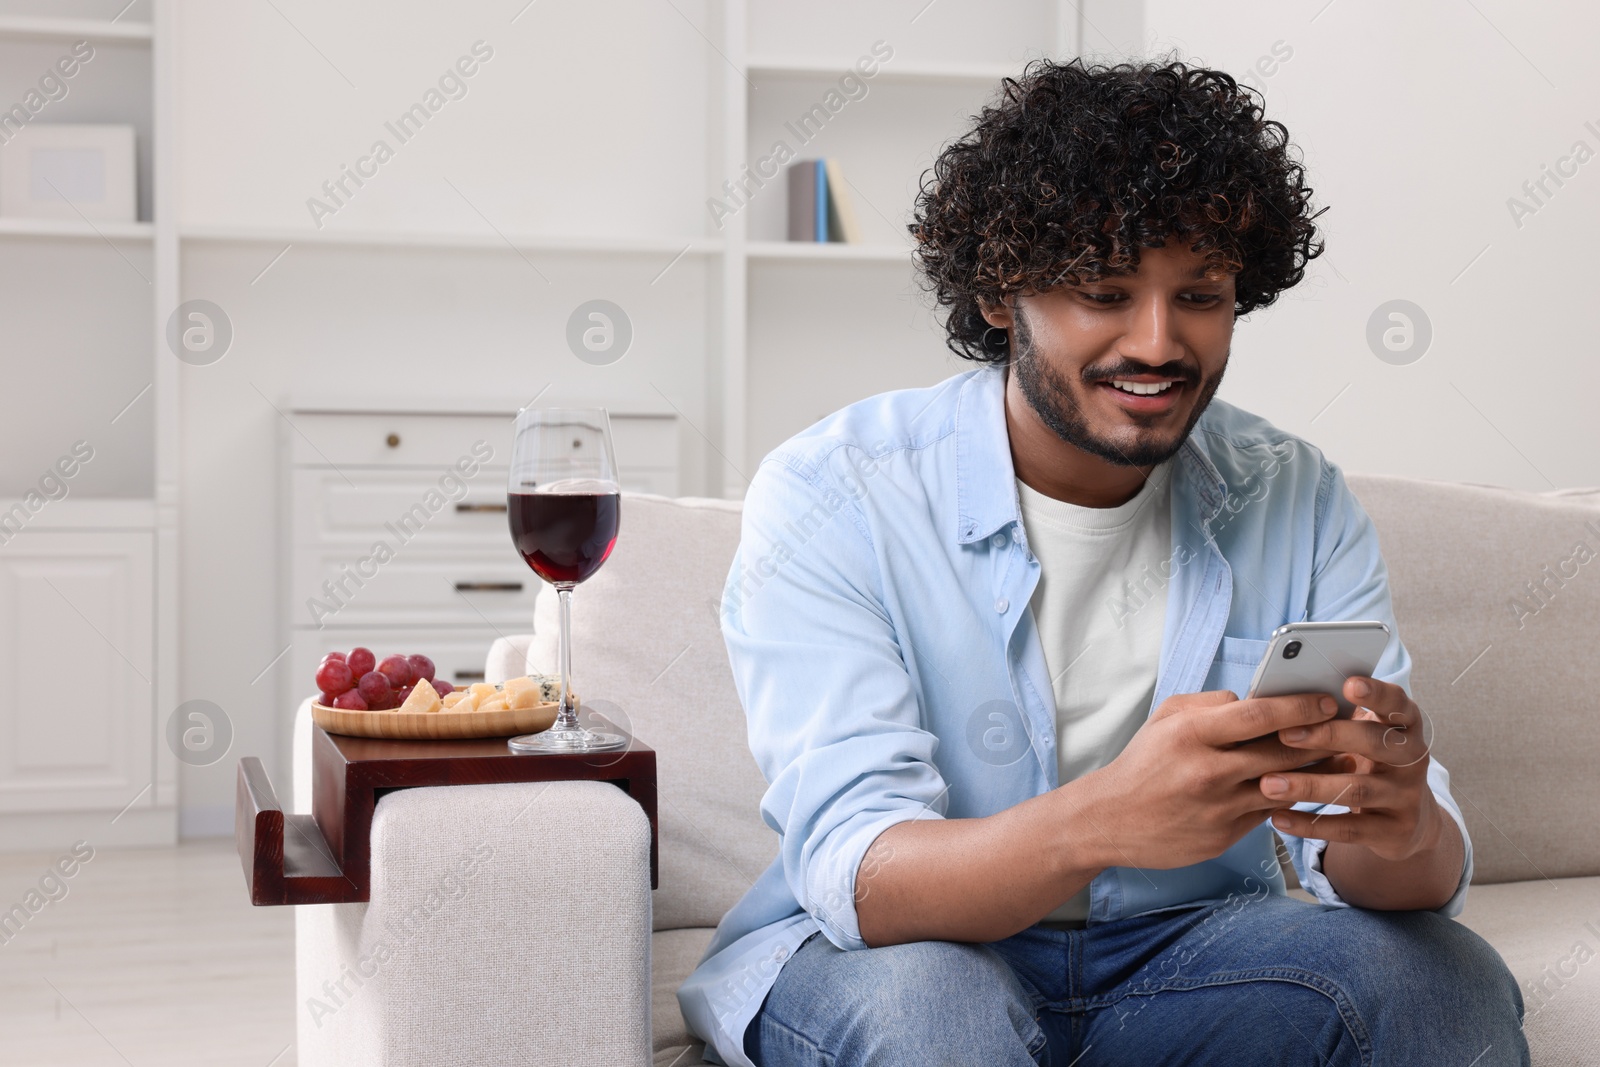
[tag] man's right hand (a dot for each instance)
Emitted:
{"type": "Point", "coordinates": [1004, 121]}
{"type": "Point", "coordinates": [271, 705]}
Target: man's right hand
{"type": "Point", "coordinates": [1187, 786]}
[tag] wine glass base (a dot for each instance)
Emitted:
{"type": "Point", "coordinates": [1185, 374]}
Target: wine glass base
{"type": "Point", "coordinates": [579, 740]}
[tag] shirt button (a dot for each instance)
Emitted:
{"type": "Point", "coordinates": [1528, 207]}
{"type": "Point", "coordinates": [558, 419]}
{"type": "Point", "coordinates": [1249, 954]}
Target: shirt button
{"type": "Point", "coordinates": [781, 954]}
{"type": "Point", "coordinates": [998, 540]}
{"type": "Point", "coordinates": [1016, 534]}
{"type": "Point", "coordinates": [1002, 605]}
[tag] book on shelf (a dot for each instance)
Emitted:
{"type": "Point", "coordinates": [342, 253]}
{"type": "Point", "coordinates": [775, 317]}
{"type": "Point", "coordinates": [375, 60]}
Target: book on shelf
{"type": "Point", "coordinates": [820, 205]}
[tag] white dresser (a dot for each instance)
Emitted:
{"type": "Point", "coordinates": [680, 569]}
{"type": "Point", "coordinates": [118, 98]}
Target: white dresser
{"type": "Point", "coordinates": [397, 537]}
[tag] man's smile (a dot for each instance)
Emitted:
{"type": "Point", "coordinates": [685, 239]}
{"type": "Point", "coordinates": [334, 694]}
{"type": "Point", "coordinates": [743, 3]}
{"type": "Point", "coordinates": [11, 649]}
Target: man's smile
{"type": "Point", "coordinates": [1147, 394]}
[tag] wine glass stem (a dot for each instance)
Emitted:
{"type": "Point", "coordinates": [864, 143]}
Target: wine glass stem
{"type": "Point", "coordinates": [567, 717]}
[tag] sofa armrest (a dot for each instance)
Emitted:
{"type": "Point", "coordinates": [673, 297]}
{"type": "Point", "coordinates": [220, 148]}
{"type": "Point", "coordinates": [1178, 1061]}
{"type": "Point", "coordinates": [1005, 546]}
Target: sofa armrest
{"type": "Point", "coordinates": [509, 924]}
{"type": "Point", "coordinates": [508, 658]}
{"type": "Point", "coordinates": [300, 774]}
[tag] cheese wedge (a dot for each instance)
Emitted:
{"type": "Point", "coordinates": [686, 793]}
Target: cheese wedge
{"type": "Point", "coordinates": [524, 698]}
{"type": "Point", "coordinates": [424, 697]}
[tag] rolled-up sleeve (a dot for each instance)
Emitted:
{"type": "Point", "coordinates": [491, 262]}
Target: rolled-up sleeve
{"type": "Point", "coordinates": [1350, 581]}
{"type": "Point", "coordinates": [834, 719]}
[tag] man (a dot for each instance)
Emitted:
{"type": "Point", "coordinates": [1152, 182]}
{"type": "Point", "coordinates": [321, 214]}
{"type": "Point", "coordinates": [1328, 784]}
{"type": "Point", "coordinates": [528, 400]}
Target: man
{"type": "Point", "coordinates": [991, 639]}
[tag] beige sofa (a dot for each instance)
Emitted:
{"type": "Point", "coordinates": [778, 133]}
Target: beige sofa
{"type": "Point", "coordinates": [1512, 693]}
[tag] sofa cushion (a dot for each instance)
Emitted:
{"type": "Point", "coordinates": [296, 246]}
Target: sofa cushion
{"type": "Point", "coordinates": [648, 652]}
{"type": "Point", "coordinates": [673, 955]}
{"type": "Point", "coordinates": [1506, 671]}
{"type": "Point", "coordinates": [1548, 932]}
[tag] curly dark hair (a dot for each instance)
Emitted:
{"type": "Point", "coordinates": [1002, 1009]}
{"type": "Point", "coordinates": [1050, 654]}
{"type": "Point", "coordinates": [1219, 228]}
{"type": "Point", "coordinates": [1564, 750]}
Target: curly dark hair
{"type": "Point", "coordinates": [1074, 168]}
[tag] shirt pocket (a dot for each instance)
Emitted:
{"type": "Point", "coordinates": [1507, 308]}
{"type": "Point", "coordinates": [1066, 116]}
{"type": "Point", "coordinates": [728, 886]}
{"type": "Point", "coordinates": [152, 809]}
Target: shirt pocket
{"type": "Point", "coordinates": [1235, 664]}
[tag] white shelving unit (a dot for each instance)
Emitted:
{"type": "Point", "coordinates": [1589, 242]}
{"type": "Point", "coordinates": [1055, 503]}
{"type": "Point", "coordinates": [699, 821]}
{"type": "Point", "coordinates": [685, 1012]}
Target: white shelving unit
{"type": "Point", "coordinates": [985, 75]}
{"type": "Point", "coordinates": [92, 579]}
{"type": "Point", "coordinates": [885, 253]}
{"type": "Point", "coordinates": [809, 327]}
{"type": "Point", "coordinates": [29, 27]}
{"type": "Point", "coordinates": [119, 231]}
{"type": "Point", "coordinates": [401, 239]}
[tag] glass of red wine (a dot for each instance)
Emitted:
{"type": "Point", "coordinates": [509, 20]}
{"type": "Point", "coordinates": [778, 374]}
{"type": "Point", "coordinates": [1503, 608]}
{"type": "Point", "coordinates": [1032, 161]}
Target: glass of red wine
{"type": "Point", "coordinates": [563, 503]}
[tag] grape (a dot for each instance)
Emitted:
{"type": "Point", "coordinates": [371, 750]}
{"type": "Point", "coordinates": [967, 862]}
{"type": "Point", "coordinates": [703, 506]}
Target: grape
{"type": "Point", "coordinates": [361, 661]}
{"type": "Point", "coordinates": [333, 655]}
{"type": "Point", "coordinates": [327, 699]}
{"type": "Point", "coordinates": [375, 688]}
{"type": "Point", "coordinates": [421, 666]}
{"type": "Point", "coordinates": [398, 669]}
{"type": "Point", "coordinates": [442, 688]}
{"type": "Point", "coordinates": [350, 701]}
{"type": "Point", "coordinates": [334, 677]}
{"type": "Point", "coordinates": [400, 697]}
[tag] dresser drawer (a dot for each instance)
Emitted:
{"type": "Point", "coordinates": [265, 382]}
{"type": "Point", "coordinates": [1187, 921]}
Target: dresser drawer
{"type": "Point", "coordinates": [417, 586]}
{"type": "Point", "coordinates": [437, 442]}
{"type": "Point", "coordinates": [434, 442]}
{"type": "Point", "coordinates": [357, 507]}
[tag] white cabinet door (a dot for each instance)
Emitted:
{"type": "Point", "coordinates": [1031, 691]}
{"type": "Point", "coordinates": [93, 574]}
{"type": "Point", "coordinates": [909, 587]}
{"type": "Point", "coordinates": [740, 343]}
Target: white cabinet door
{"type": "Point", "coordinates": [76, 728]}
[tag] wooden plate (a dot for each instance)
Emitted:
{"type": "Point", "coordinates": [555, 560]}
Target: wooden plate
{"type": "Point", "coordinates": [435, 725]}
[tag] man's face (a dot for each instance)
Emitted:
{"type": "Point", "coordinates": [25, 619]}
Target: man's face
{"type": "Point", "coordinates": [1079, 353]}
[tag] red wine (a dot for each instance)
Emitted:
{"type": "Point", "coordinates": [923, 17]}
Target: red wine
{"type": "Point", "coordinates": [564, 537]}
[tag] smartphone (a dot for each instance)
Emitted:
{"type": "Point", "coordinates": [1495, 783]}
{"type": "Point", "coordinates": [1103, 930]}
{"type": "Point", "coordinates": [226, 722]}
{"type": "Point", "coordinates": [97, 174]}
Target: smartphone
{"type": "Point", "coordinates": [1317, 657]}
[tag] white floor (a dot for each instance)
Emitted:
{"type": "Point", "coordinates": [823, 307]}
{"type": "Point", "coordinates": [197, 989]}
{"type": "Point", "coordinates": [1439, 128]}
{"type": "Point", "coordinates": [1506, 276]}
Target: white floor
{"type": "Point", "coordinates": [154, 957]}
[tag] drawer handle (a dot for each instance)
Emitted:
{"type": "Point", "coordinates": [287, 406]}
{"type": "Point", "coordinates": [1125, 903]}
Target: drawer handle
{"type": "Point", "coordinates": [501, 508]}
{"type": "Point", "coordinates": [393, 440]}
{"type": "Point", "coordinates": [488, 587]}
{"type": "Point", "coordinates": [469, 676]}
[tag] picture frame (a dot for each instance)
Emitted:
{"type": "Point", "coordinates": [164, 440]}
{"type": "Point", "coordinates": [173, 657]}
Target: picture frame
{"type": "Point", "coordinates": [70, 171]}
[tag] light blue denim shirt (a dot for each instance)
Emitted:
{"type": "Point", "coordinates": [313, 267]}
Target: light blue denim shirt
{"type": "Point", "coordinates": [878, 625]}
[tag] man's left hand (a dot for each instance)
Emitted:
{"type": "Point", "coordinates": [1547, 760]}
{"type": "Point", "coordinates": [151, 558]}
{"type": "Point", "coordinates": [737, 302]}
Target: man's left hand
{"type": "Point", "coordinates": [1381, 776]}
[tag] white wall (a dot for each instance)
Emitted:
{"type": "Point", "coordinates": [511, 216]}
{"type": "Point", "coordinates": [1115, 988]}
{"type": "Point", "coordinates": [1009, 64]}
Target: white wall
{"type": "Point", "coordinates": [1418, 121]}
{"type": "Point", "coordinates": [577, 124]}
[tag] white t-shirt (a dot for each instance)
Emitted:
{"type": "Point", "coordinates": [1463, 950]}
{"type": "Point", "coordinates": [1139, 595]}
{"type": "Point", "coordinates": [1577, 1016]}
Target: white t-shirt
{"type": "Point", "coordinates": [1100, 609]}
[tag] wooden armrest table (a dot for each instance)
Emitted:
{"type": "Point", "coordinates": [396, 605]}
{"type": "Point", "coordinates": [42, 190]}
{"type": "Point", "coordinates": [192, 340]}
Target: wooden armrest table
{"type": "Point", "coordinates": [326, 857]}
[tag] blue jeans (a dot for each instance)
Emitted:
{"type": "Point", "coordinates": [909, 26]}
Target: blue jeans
{"type": "Point", "coordinates": [1243, 982]}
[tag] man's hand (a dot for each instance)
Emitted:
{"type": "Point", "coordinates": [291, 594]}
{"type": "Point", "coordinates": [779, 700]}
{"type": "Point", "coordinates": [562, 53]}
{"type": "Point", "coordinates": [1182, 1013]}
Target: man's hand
{"type": "Point", "coordinates": [1187, 786]}
{"type": "Point", "coordinates": [1183, 790]}
{"type": "Point", "coordinates": [1380, 774]}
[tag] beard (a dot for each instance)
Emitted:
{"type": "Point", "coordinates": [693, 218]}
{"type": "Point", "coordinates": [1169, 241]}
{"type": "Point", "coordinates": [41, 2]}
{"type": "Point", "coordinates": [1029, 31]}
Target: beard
{"type": "Point", "coordinates": [1058, 404]}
